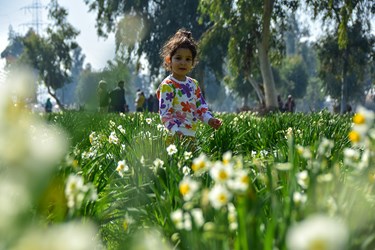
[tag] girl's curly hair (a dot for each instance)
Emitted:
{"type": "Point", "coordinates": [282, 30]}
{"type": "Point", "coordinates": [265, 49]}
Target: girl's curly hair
{"type": "Point", "coordinates": [181, 39]}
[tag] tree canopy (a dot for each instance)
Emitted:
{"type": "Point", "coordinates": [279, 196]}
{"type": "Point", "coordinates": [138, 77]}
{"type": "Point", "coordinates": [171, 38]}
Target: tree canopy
{"type": "Point", "coordinates": [52, 55]}
{"type": "Point", "coordinates": [154, 21]}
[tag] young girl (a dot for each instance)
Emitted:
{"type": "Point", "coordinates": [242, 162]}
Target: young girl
{"type": "Point", "coordinates": [181, 103]}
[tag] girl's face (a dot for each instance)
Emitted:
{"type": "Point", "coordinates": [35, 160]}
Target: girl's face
{"type": "Point", "coordinates": [181, 64]}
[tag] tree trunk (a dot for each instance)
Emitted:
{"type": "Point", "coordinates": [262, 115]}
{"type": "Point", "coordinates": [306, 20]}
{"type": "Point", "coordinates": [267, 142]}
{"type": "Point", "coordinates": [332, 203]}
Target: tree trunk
{"type": "Point", "coordinates": [199, 75]}
{"type": "Point", "coordinates": [257, 89]}
{"type": "Point", "coordinates": [344, 84]}
{"type": "Point", "coordinates": [61, 106]}
{"type": "Point", "coordinates": [265, 66]}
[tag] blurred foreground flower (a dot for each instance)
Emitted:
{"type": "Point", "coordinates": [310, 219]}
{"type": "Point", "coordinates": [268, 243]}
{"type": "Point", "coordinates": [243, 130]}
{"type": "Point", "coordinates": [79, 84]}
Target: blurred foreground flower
{"type": "Point", "coordinates": [122, 168]}
{"type": "Point", "coordinates": [188, 187]}
{"type": "Point", "coordinates": [150, 239]}
{"type": "Point", "coordinates": [219, 196]}
{"type": "Point", "coordinates": [318, 232]}
{"type": "Point", "coordinates": [30, 151]}
{"type": "Point", "coordinates": [362, 123]}
{"type": "Point", "coordinates": [69, 236]}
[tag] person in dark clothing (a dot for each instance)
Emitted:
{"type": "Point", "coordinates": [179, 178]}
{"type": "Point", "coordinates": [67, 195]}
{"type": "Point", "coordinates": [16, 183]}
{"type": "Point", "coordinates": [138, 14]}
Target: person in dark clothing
{"type": "Point", "coordinates": [117, 98]}
{"type": "Point", "coordinates": [289, 105]}
{"type": "Point", "coordinates": [152, 103]}
{"type": "Point", "coordinates": [48, 106]}
{"type": "Point", "coordinates": [280, 103]}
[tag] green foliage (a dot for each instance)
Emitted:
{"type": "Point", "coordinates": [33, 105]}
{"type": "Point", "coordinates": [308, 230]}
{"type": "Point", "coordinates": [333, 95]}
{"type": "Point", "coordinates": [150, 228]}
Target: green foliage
{"type": "Point", "coordinates": [52, 55]}
{"type": "Point", "coordinates": [86, 91]}
{"type": "Point", "coordinates": [343, 14]}
{"type": "Point", "coordinates": [350, 64]}
{"type": "Point", "coordinates": [294, 74]}
{"type": "Point", "coordinates": [15, 47]}
{"type": "Point", "coordinates": [157, 21]}
{"type": "Point", "coordinates": [253, 42]}
{"type": "Point", "coordinates": [146, 193]}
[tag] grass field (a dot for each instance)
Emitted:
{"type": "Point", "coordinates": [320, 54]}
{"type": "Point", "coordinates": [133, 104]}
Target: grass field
{"type": "Point", "coordinates": [109, 181]}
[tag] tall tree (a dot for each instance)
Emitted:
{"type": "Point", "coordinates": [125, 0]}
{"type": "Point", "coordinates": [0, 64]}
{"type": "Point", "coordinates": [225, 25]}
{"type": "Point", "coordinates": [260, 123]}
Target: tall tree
{"type": "Point", "coordinates": [346, 73]}
{"type": "Point", "coordinates": [142, 26]}
{"type": "Point", "coordinates": [52, 55]}
{"type": "Point", "coordinates": [66, 94]}
{"type": "Point", "coordinates": [338, 16]}
{"type": "Point", "coordinates": [248, 23]}
{"type": "Point", "coordinates": [15, 47]}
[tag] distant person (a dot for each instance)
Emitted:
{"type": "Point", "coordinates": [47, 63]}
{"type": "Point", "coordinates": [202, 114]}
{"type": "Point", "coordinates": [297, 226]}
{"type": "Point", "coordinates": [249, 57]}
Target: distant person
{"type": "Point", "coordinates": [140, 101]}
{"type": "Point", "coordinates": [280, 103]}
{"type": "Point", "coordinates": [103, 96]}
{"type": "Point", "coordinates": [349, 108]}
{"type": "Point", "coordinates": [152, 103]}
{"type": "Point", "coordinates": [117, 98]}
{"type": "Point", "coordinates": [48, 106]}
{"type": "Point", "coordinates": [289, 105]}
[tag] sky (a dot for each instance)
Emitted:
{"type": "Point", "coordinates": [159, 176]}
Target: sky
{"type": "Point", "coordinates": [17, 14]}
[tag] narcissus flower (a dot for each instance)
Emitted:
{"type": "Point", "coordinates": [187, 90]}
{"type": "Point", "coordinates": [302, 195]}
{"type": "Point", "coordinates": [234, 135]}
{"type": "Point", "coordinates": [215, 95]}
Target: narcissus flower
{"type": "Point", "coordinates": [354, 136]}
{"type": "Point", "coordinates": [148, 120]}
{"type": "Point", "coordinates": [221, 173]}
{"type": "Point", "coordinates": [178, 218]}
{"type": "Point", "coordinates": [171, 149]}
{"type": "Point", "coordinates": [219, 196]}
{"type": "Point", "coordinates": [318, 232]}
{"type": "Point", "coordinates": [227, 157]}
{"type": "Point", "coordinates": [362, 124]}
{"type": "Point", "coordinates": [113, 138]}
{"type": "Point", "coordinates": [303, 179]}
{"type": "Point", "coordinates": [240, 181]}
{"type": "Point", "coordinates": [200, 164]}
{"type": "Point", "coordinates": [188, 187]}
{"type": "Point", "coordinates": [122, 168]}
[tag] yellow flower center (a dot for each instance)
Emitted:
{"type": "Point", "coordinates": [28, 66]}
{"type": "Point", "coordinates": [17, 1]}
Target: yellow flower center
{"type": "Point", "coordinates": [371, 177]}
{"type": "Point", "coordinates": [245, 179]}
{"type": "Point", "coordinates": [318, 245]}
{"type": "Point", "coordinates": [197, 166]}
{"type": "Point", "coordinates": [359, 119]}
{"type": "Point", "coordinates": [120, 167]}
{"type": "Point", "coordinates": [184, 189]}
{"type": "Point", "coordinates": [73, 186]}
{"type": "Point", "coordinates": [223, 175]}
{"type": "Point", "coordinates": [354, 136]}
{"type": "Point", "coordinates": [75, 163]}
{"type": "Point", "coordinates": [226, 161]}
{"type": "Point", "coordinates": [222, 198]}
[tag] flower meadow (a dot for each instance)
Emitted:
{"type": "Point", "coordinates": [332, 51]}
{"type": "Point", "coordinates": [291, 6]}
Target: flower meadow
{"type": "Point", "coordinates": [81, 180]}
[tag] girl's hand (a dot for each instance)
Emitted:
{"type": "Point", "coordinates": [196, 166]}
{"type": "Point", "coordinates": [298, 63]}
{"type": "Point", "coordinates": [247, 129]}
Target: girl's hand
{"type": "Point", "coordinates": [214, 123]}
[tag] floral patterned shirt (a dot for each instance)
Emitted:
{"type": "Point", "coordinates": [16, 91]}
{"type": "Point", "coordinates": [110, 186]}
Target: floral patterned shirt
{"type": "Point", "coordinates": [181, 105]}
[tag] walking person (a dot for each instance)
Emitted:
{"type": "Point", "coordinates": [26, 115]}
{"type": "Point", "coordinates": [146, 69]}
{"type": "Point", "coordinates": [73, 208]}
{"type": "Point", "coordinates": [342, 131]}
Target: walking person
{"type": "Point", "coordinates": [152, 103]}
{"type": "Point", "coordinates": [103, 96]}
{"type": "Point", "coordinates": [289, 105]}
{"type": "Point", "coordinates": [117, 98]}
{"type": "Point", "coordinates": [181, 103]}
{"type": "Point", "coordinates": [48, 105]}
{"type": "Point", "coordinates": [140, 101]}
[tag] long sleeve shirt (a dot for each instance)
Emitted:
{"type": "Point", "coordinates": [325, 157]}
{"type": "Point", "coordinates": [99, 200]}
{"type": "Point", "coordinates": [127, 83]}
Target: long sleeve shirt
{"type": "Point", "coordinates": [181, 105]}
